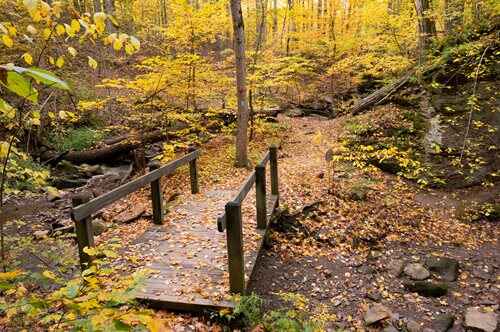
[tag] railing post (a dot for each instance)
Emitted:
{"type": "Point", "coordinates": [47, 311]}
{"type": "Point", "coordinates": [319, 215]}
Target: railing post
{"type": "Point", "coordinates": [273, 160]}
{"type": "Point", "coordinates": [235, 248]}
{"type": "Point", "coordinates": [156, 196]}
{"type": "Point", "coordinates": [83, 230]}
{"type": "Point", "coordinates": [193, 173]}
{"type": "Point", "coordinates": [260, 192]}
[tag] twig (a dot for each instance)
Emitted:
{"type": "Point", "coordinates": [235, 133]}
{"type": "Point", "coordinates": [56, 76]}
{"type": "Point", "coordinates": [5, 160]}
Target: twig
{"type": "Point", "coordinates": [472, 106]}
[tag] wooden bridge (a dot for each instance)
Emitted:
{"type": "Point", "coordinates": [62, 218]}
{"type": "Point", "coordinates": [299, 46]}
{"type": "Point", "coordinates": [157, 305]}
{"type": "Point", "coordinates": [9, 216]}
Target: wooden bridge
{"type": "Point", "coordinates": [195, 266]}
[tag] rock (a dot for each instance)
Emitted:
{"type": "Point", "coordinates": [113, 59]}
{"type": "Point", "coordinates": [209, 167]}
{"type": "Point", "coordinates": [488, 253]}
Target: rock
{"type": "Point", "coordinates": [90, 170]}
{"type": "Point", "coordinates": [416, 271]}
{"type": "Point", "coordinates": [376, 313]}
{"type": "Point", "coordinates": [413, 326]}
{"type": "Point", "coordinates": [374, 295]}
{"type": "Point", "coordinates": [446, 268]}
{"type": "Point", "coordinates": [53, 194]}
{"type": "Point", "coordinates": [390, 328]}
{"type": "Point", "coordinates": [40, 234]}
{"type": "Point", "coordinates": [98, 227]}
{"type": "Point", "coordinates": [395, 267]}
{"type": "Point", "coordinates": [427, 288]}
{"type": "Point", "coordinates": [480, 321]}
{"type": "Point", "coordinates": [443, 323]}
{"type": "Point", "coordinates": [62, 183]}
{"type": "Point", "coordinates": [294, 112]}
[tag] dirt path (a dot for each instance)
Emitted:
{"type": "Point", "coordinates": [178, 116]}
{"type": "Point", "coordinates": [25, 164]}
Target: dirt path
{"type": "Point", "coordinates": [348, 254]}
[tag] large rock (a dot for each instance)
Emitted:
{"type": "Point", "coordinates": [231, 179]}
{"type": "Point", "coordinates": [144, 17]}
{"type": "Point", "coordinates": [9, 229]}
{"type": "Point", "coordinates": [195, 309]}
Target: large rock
{"type": "Point", "coordinates": [376, 313]}
{"type": "Point", "coordinates": [446, 268]}
{"type": "Point", "coordinates": [477, 320]}
{"type": "Point", "coordinates": [427, 288]}
{"type": "Point", "coordinates": [413, 326]}
{"type": "Point", "coordinates": [443, 323]}
{"type": "Point", "coordinates": [417, 271]}
{"type": "Point", "coordinates": [395, 267]}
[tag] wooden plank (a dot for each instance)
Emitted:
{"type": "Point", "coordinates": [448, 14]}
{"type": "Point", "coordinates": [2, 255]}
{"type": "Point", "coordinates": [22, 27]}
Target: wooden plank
{"type": "Point", "coordinates": [265, 160]}
{"type": "Point", "coordinates": [183, 304]}
{"type": "Point", "coordinates": [193, 174]}
{"type": "Point", "coordinates": [156, 196]}
{"type": "Point", "coordinates": [235, 248]}
{"type": "Point", "coordinates": [245, 188]}
{"type": "Point", "coordinates": [274, 170]}
{"type": "Point", "coordinates": [83, 230]}
{"type": "Point", "coordinates": [98, 203]}
{"type": "Point", "coordinates": [260, 193]}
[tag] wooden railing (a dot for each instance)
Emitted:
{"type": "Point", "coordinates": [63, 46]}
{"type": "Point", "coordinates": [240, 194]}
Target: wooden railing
{"type": "Point", "coordinates": [84, 205]}
{"type": "Point", "coordinates": [231, 220]}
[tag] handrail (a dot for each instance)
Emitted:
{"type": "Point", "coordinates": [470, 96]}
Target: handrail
{"type": "Point", "coordinates": [231, 220]}
{"type": "Point", "coordinates": [84, 205]}
{"type": "Point", "coordinates": [85, 210]}
{"type": "Point", "coordinates": [243, 192]}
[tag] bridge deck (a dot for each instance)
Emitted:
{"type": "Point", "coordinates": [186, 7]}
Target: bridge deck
{"type": "Point", "coordinates": [188, 255]}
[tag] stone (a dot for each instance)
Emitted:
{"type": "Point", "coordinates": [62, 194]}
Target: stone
{"type": "Point", "coordinates": [443, 323]}
{"type": "Point", "coordinates": [62, 183]}
{"type": "Point", "coordinates": [427, 288]}
{"type": "Point", "coordinates": [416, 271]}
{"type": "Point", "coordinates": [477, 320]}
{"type": "Point", "coordinates": [446, 268]}
{"type": "Point", "coordinates": [98, 227]}
{"type": "Point", "coordinates": [396, 267]}
{"type": "Point", "coordinates": [376, 313]}
{"type": "Point", "coordinates": [413, 326]}
{"type": "Point", "coordinates": [390, 328]}
{"type": "Point", "coordinates": [40, 234]}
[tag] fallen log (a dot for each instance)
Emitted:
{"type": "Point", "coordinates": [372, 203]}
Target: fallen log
{"type": "Point", "coordinates": [382, 94]}
{"type": "Point", "coordinates": [110, 152]}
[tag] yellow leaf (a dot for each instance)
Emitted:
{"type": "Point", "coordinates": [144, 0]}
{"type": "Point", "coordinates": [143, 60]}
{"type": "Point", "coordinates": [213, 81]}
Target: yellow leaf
{"type": "Point", "coordinates": [317, 139]}
{"type": "Point", "coordinates": [7, 41]}
{"type": "Point", "coordinates": [27, 58]}
{"type": "Point", "coordinates": [31, 29]}
{"type": "Point", "coordinates": [135, 42]}
{"type": "Point", "coordinates": [30, 4]}
{"type": "Point", "coordinates": [49, 275]}
{"type": "Point", "coordinates": [12, 30]}
{"type": "Point", "coordinates": [129, 49]}
{"type": "Point", "coordinates": [46, 33]}
{"type": "Point", "coordinates": [60, 30]}
{"type": "Point", "coordinates": [72, 51]}
{"type": "Point", "coordinates": [60, 62]}
{"type": "Point", "coordinates": [52, 61]}
{"type": "Point", "coordinates": [75, 25]}
{"type": "Point", "coordinates": [7, 276]}
{"type": "Point", "coordinates": [69, 30]}
{"type": "Point", "coordinates": [36, 16]}
{"type": "Point", "coordinates": [92, 63]}
{"type": "Point", "coordinates": [117, 45]}
{"type": "Point", "coordinates": [123, 37]}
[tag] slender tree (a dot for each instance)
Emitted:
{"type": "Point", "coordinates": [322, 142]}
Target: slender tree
{"type": "Point", "coordinates": [241, 84]}
{"type": "Point", "coordinates": [426, 26]}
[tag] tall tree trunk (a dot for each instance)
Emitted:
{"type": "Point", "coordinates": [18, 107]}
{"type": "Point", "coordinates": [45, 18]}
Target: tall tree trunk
{"type": "Point", "coordinates": [275, 17]}
{"type": "Point", "coordinates": [291, 26]}
{"type": "Point", "coordinates": [97, 6]}
{"type": "Point", "coordinates": [453, 15]}
{"type": "Point", "coordinates": [426, 26]}
{"type": "Point", "coordinates": [110, 10]}
{"type": "Point", "coordinates": [241, 84]}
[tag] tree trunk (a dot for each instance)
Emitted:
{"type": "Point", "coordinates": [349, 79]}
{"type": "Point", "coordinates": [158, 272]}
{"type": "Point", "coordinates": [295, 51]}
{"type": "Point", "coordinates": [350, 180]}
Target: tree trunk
{"type": "Point", "coordinates": [110, 10]}
{"type": "Point", "coordinates": [275, 17]}
{"type": "Point", "coordinates": [241, 84]}
{"type": "Point", "coordinates": [453, 16]}
{"type": "Point", "coordinates": [97, 6]}
{"type": "Point", "coordinates": [426, 27]}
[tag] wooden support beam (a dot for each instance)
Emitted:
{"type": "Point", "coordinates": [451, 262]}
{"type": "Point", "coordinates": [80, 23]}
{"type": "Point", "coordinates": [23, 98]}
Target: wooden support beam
{"type": "Point", "coordinates": [156, 196]}
{"type": "Point", "coordinates": [260, 192]}
{"type": "Point", "coordinates": [193, 173]}
{"type": "Point", "coordinates": [83, 230]}
{"type": "Point", "coordinates": [274, 170]}
{"type": "Point", "coordinates": [235, 248]}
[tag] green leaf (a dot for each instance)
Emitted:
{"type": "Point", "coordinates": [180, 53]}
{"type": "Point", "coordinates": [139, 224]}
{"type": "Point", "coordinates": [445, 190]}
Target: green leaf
{"type": "Point", "coordinates": [19, 85]}
{"type": "Point", "coordinates": [6, 109]}
{"type": "Point", "coordinates": [40, 75]}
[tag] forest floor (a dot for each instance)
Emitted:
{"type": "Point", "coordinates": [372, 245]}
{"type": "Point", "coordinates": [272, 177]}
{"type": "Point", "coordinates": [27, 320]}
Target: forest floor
{"type": "Point", "coordinates": [342, 239]}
